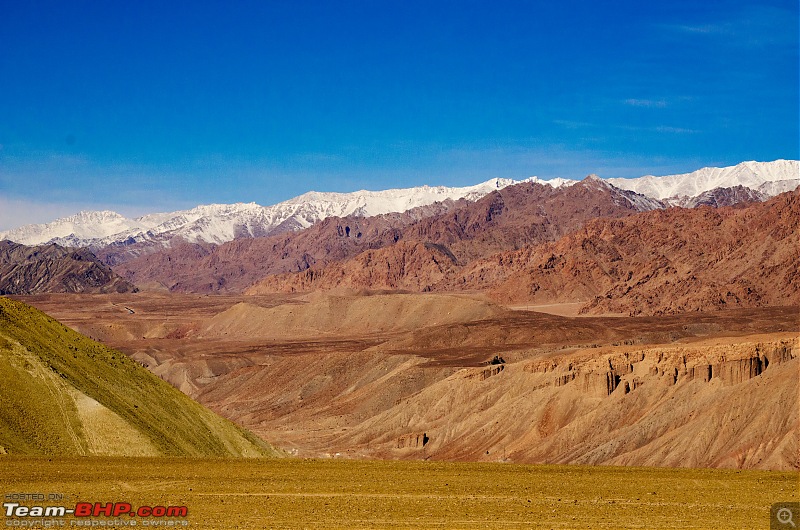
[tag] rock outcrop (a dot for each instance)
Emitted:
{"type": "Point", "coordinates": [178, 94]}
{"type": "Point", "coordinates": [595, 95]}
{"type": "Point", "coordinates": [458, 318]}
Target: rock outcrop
{"type": "Point", "coordinates": [412, 441]}
{"type": "Point", "coordinates": [719, 197]}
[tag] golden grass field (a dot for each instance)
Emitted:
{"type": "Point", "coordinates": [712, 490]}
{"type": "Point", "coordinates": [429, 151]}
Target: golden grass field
{"type": "Point", "coordinates": [293, 493]}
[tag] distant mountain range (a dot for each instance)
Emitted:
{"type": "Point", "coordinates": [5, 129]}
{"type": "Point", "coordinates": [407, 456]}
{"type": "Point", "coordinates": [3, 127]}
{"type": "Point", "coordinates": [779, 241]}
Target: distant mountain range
{"type": "Point", "coordinates": [220, 223]}
{"type": "Point", "coordinates": [590, 249]}
{"type": "Point", "coordinates": [591, 241]}
{"type": "Point", "coordinates": [508, 218]}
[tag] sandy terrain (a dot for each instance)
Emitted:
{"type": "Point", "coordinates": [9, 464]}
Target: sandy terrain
{"type": "Point", "coordinates": [410, 376]}
{"type": "Point", "coordinates": [564, 310]}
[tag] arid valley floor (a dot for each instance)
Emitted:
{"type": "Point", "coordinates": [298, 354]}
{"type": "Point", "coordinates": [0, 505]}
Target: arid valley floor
{"type": "Point", "coordinates": [463, 401]}
{"type": "Point", "coordinates": [294, 493]}
{"type": "Point", "coordinates": [410, 376]}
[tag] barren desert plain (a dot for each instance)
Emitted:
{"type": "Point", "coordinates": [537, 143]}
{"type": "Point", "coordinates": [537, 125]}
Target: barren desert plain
{"type": "Point", "coordinates": [289, 493]}
{"type": "Point", "coordinates": [409, 410]}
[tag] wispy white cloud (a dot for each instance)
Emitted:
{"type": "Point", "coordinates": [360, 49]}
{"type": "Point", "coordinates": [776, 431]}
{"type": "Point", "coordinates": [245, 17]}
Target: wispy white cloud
{"type": "Point", "coordinates": [650, 103]}
{"type": "Point", "coordinates": [705, 29]}
{"type": "Point", "coordinates": [675, 130]}
{"type": "Point", "coordinates": [573, 124]}
{"type": "Point", "coordinates": [754, 26]}
{"type": "Point", "coordinates": [659, 129]}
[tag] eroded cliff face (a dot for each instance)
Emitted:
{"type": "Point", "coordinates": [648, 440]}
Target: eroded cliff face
{"type": "Point", "coordinates": [670, 365]}
{"type": "Point", "coordinates": [729, 402]}
{"type": "Point", "coordinates": [695, 405]}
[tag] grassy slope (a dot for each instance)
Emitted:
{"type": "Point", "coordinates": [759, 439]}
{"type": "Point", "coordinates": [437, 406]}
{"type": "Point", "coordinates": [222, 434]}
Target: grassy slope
{"type": "Point", "coordinates": [46, 368]}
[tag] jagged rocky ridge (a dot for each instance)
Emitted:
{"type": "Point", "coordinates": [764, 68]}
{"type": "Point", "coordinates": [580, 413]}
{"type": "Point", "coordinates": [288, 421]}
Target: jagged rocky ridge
{"type": "Point", "coordinates": [663, 261]}
{"type": "Point", "coordinates": [55, 269]}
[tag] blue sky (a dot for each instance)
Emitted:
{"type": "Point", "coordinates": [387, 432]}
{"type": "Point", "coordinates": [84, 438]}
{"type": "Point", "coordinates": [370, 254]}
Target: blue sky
{"type": "Point", "coordinates": [153, 106]}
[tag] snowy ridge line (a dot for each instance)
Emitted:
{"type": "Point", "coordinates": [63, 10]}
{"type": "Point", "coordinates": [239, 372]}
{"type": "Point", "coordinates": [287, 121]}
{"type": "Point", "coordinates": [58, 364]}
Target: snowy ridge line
{"type": "Point", "coordinates": [219, 223]}
{"type": "Point", "coordinates": [751, 175]}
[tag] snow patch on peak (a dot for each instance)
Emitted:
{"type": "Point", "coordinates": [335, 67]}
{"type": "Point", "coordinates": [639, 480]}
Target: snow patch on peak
{"type": "Point", "coordinates": [557, 182]}
{"type": "Point", "coordinates": [776, 187]}
{"type": "Point", "coordinates": [91, 215]}
{"type": "Point", "coordinates": [593, 181]}
{"type": "Point", "coordinates": [749, 174]}
{"type": "Point", "coordinates": [594, 178]}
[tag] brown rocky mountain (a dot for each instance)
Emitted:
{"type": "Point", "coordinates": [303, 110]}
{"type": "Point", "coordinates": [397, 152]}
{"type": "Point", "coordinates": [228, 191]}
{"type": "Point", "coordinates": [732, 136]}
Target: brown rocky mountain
{"type": "Point", "coordinates": [433, 249]}
{"type": "Point", "coordinates": [55, 269]}
{"type": "Point", "coordinates": [461, 231]}
{"type": "Point", "coordinates": [406, 265]}
{"type": "Point", "coordinates": [665, 261]}
{"type": "Point", "coordinates": [525, 214]}
{"type": "Point", "coordinates": [238, 264]}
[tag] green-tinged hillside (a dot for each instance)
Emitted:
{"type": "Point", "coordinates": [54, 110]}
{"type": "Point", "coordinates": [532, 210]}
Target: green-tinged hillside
{"type": "Point", "coordinates": [64, 394]}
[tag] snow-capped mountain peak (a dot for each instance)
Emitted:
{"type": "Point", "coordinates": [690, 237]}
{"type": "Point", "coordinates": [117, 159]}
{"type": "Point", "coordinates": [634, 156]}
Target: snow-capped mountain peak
{"type": "Point", "coordinates": [749, 174]}
{"type": "Point", "coordinates": [82, 225]}
{"type": "Point", "coordinates": [218, 223]}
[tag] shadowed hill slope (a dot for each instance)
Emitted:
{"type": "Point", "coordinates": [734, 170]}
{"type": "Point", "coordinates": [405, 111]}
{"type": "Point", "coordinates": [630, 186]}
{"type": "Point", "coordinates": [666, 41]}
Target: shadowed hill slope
{"type": "Point", "coordinates": [55, 269]}
{"type": "Point", "coordinates": [64, 394]}
{"type": "Point", "coordinates": [405, 265]}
